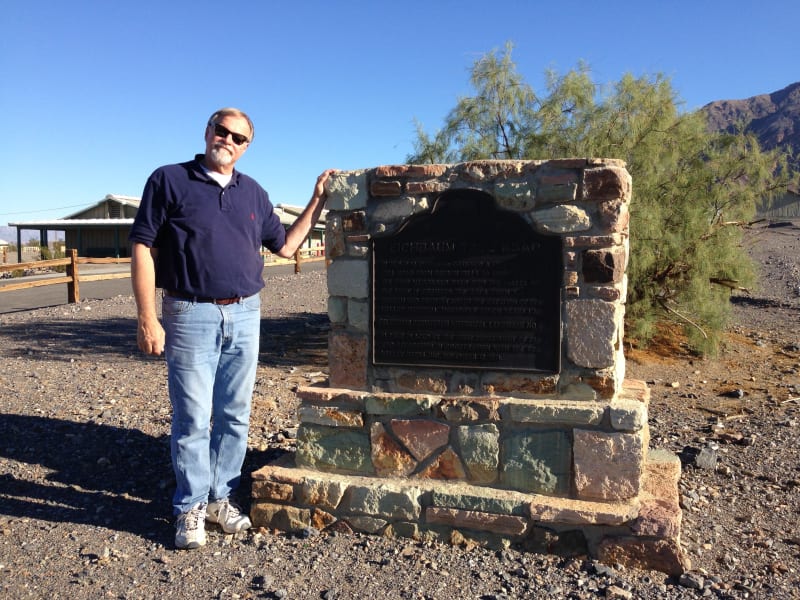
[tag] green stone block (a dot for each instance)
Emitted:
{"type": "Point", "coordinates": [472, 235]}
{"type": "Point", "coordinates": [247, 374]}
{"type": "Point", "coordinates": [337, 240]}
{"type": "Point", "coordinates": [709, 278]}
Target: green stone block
{"type": "Point", "coordinates": [480, 451]}
{"type": "Point", "coordinates": [333, 449]}
{"type": "Point", "coordinates": [398, 405]}
{"type": "Point", "coordinates": [497, 505]}
{"type": "Point", "coordinates": [537, 461]}
{"type": "Point", "coordinates": [391, 503]}
{"type": "Point", "coordinates": [557, 193]}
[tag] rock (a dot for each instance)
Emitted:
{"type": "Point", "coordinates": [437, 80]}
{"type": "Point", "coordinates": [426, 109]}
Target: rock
{"type": "Point", "coordinates": [691, 580]}
{"type": "Point", "coordinates": [707, 458]}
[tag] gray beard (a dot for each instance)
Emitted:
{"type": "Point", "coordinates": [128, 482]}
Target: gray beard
{"type": "Point", "coordinates": [220, 157]}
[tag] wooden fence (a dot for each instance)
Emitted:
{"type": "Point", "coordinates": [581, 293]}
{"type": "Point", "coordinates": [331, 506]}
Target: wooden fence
{"type": "Point", "coordinates": [73, 278]}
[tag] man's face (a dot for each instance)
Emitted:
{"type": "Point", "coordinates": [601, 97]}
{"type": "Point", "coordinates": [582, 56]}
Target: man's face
{"type": "Point", "coordinates": [224, 151]}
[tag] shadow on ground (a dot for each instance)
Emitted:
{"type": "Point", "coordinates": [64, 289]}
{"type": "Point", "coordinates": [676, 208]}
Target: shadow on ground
{"type": "Point", "coordinates": [284, 340]}
{"type": "Point", "coordinates": [86, 473]}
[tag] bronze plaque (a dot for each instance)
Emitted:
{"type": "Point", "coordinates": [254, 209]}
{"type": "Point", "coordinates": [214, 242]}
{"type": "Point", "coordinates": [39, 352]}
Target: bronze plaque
{"type": "Point", "coordinates": [468, 285]}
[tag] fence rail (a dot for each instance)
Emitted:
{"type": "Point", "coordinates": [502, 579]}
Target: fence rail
{"type": "Point", "coordinates": [73, 277]}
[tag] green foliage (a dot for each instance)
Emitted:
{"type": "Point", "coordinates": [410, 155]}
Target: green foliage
{"type": "Point", "coordinates": [693, 190]}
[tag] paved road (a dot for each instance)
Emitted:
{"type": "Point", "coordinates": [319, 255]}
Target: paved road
{"type": "Point", "coordinates": [56, 295]}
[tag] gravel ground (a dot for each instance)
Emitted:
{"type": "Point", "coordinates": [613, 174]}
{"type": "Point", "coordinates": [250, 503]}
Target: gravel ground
{"type": "Point", "coordinates": [85, 477]}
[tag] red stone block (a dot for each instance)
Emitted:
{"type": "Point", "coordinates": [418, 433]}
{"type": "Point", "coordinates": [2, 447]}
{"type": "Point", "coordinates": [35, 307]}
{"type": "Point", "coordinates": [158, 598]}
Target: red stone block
{"type": "Point", "coordinates": [422, 437]}
{"type": "Point", "coordinates": [470, 519]}
{"type": "Point", "coordinates": [347, 360]}
{"type": "Point", "coordinates": [607, 183]}
{"type": "Point", "coordinates": [641, 553]}
{"type": "Point", "coordinates": [385, 189]}
{"type": "Point", "coordinates": [388, 457]}
{"type": "Point", "coordinates": [446, 466]}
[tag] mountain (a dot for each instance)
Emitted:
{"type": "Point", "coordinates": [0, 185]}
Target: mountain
{"type": "Point", "coordinates": [8, 234]}
{"type": "Point", "coordinates": [773, 118]}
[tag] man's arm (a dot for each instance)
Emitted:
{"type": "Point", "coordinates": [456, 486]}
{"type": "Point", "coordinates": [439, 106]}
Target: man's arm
{"type": "Point", "coordinates": [149, 332]}
{"type": "Point", "coordinates": [302, 226]}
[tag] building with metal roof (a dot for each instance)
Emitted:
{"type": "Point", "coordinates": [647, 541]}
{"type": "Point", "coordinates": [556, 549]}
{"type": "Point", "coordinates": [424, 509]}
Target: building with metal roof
{"type": "Point", "coordinates": [101, 229]}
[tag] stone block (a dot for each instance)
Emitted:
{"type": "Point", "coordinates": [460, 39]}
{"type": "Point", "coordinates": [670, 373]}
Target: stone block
{"type": "Point", "coordinates": [358, 315]}
{"type": "Point", "coordinates": [480, 451]}
{"type": "Point", "coordinates": [384, 188]}
{"type": "Point", "coordinates": [644, 553]}
{"type": "Point", "coordinates": [604, 266]}
{"type": "Point", "coordinates": [481, 499]}
{"type": "Point", "coordinates": [661, 475]}
{"type": "Point", "coordinates": [606, 183]}
{"type": "Point", "coordinates": [322, 493]}
{"type": "Point", "coordinates": [550, 412]}
{"type": "Point", "coordinates": [388, 457]}
{"type": "Point", "coordinates": [421, 384]}
{"type": "Point", "coordinates": [334, 236]}
{"type": "Point", "coordinates": [636, 389]}
{"type": "Point", "coordinates": [447, 465]}
{"type": "Point", "coordinates": [347, 190]}
{"type": "Point", "coordinates": [481, 521]}
{"type": "Point", "coordinates": [410, 170]}
{"type": "Point", "coordinates": [393, 210]}
{"type": "Point", "coordinates": [422, 437]}
{"type": "Point", "coordinates": [349, 277]}
{"type": "Point", "coordinates": [337, 310]}
{"type": "Point", "coordinates": [510, 383]}
{"type": "Point", "coordinates": [614, 215]}
{"type": "Point", "coordinates": [347, 360]}
{"type": "Point", "coordinates": [658, 518]}
{"type": "Point", "coordinates": [465, 410]}
{"type": "Point", "coordinates": [399, 404]}
{"type": "Point", "coordinates": [537, 461]}
{"type": "Point", "coordinates": [333, 449]}
{"type": "Point", "coordinates": [628, 415]}
{"type": "Point", "coordinates": [321, 519]}
{"type": "Point", "coordinates": [556, 192]}
{"type": "Point", "coordinates": [331, 416]}
{"type": "Point", "coordinates": [608, 466]}
{"type": "Point", "coordinates": [367, 524]}
{"type": "Point", "coordinates": [403, 529]}
{"type": "Point", "coordinates": [592, 328]}
{"type": "Point", "coordinates": [569, 511]}
{"type": "Point", "coordinates": [514, 195]}
{"type": "Point", "coordinates": [388, 501]}
{"type": "Point", "coordinates": [273, 491]}
{"type": "Point", "coordinates": [562, 219]}
{"type": "Point", "coordinates": [279, 516]}
{"type": "Point", "coordinates": [426, 187]}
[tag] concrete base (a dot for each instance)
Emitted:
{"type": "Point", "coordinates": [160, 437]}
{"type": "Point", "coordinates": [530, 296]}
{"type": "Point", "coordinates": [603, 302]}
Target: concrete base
{"type": "Point", "coordinates": [641, 532]}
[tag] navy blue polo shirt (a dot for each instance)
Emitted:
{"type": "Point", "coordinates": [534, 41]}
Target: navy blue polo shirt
{"type": "Point", "coordinates": [208, 238]}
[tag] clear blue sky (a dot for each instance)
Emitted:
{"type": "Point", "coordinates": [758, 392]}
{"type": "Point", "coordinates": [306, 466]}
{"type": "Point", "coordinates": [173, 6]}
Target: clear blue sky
{"type": "Point", "coordinates": [97, 94]}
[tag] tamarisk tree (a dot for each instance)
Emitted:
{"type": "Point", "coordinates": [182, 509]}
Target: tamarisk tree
{"type": "Point", "coordinates": [694, 190]}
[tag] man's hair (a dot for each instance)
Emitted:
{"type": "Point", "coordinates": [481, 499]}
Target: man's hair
{"type": "Point", "coordinates": [232, 112]}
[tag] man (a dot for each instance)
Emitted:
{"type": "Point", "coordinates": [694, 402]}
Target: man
{"type": "Point", "coordinates": [197, 236]}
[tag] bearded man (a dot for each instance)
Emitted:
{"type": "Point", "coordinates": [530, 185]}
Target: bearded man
{"type": "Point", "coordinates": [197, 236]}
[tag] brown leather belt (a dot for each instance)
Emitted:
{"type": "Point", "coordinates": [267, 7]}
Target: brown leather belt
{"type": "Point", "coordinates": [220, 301]}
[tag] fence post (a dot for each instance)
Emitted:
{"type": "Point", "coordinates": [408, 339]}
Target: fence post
{"type": "Point", "coordinates": [73, 291]}
{"type": "Point", "coordinates": [297, 261]}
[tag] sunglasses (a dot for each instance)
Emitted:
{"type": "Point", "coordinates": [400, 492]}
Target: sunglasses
{"type": "Point", "coordinates": [224, 132]}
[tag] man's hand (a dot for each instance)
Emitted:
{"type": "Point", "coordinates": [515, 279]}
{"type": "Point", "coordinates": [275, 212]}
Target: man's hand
{"type": "Point", "coordinates": [150, 336]}
{"type": "Point", "coordinates": [319, 188]}
{"type": "Point", "coordinates": [302, 226]}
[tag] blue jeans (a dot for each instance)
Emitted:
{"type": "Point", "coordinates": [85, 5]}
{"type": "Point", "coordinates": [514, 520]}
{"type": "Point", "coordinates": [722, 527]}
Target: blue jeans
{"type": "Point", "coordinates": [212, 354]}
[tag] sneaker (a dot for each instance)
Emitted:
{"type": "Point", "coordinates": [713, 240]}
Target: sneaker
{"type": "Point", "coordinates": [191, 528]}
{"type": "Point", "coordinates": [228, 515]}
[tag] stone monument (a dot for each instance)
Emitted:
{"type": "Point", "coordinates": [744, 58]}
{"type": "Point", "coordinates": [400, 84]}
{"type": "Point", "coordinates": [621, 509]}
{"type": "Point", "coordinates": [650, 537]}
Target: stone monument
{"type": "Point", "coordinates": [477, 388]}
